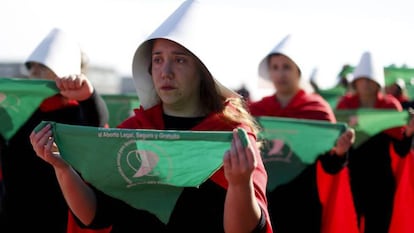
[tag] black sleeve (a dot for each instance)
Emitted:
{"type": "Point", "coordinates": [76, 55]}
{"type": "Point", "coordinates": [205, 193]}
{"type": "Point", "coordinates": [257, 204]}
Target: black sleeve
{"type": "Point", "coordinates": [2, 191]}
{"type": "Point", "coordinates": [94, 111]}
{"type": "Point", "coordinates": [261, 226]}
{"type": "Point", "coordinates": [403, 146]}
{"type": "Point", "coordinates": [102, 219]}
{"type": "Point", "coordinates": [2, 143]}
{"type": "Point", "coordinates": [332, 163]}
{"type": "Point", "coordinates": [372, 182]}
{"type": "Point", "coordinates": [295, 206]}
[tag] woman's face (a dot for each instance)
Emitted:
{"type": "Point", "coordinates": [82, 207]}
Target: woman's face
{"type": "Point", "coordinates": [393, 89]}
{"type": "Point", "coordinates": [284, 74]}
{"type": "Point", "coordinates": [176, 76]}
{"type": "Point", "coordinates": [366, 87]}
{"type": "Point", "coordinates": [40, 71]}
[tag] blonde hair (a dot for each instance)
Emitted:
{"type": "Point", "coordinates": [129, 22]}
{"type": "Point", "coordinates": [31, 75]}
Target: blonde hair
{"type": "Point", "coordinates": [236, 112]}
{"type": "Point", "coordinates": [233, 109]}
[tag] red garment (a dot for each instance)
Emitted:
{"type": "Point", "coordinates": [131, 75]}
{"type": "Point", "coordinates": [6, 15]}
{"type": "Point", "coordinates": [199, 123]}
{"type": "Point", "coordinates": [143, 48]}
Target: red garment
{"type": "Point", "coordinates": [73, 227]}
{"type": "Point", "coordinates": [302, 105]}
{"type": "Point", "coordinates": [152, 119]}
{"type": "Point", "coordinates": [403, 210]}
{"type": "Point", "coordinates": [351, 101]}
{"type": "Point", "coordinates": [402, 98]}
{"type": "Point", "coordinates": [56, 102]}
{"type": "Point", "coordinates": [338, 211]}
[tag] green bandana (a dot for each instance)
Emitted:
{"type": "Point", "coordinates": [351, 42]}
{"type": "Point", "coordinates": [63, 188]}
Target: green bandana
{"type": "Point", "coordinates": [120, 107]}
{"type": "Point", "coordinates": [145, 168]}
{"type": "Point", "coordinates": [368, 122]}
{"type": "Point", "coordinates": [290, 145]}
{"type": "Point", "coordinates": [19, 98]}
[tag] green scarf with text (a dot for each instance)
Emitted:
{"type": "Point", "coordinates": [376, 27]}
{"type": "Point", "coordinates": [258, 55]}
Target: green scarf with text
{"type": "Point", "coordinates": [146, 168]}
{"type": "Point", "coordinates": [368, 122]}
{"type": "Point", "coordinates": [290, 145]}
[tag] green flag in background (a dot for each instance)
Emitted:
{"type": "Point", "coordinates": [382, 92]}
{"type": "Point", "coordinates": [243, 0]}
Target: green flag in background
{"type": "Point", "coordinates": [120, 107]}
{"type": "Point", "coordinates": [19, 98]}
{"type": "Point", "coordinates": [332, 95]}
{"type": "Point", "coordinates": [290, 145]}
{"type": "Point", "coordinates": [368, 122]}
{"type": "Point", "coordinates": [145, 168]}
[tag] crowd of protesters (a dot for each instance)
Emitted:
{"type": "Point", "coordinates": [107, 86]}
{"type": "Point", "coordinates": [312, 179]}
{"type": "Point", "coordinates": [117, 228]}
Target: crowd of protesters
{"type": "Point", "coordinates": [179, 90]}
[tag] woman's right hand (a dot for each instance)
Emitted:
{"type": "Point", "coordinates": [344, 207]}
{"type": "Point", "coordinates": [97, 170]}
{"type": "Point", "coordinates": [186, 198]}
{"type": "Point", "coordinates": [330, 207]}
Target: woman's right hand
{"type": "Point", "coordinates": [44, 146]}
{"type": "Point", "coordinates": [344, 142]}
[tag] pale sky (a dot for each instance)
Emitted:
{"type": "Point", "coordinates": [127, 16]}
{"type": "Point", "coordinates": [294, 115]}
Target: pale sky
{"type": "Point", "coordinates": [334, 32]}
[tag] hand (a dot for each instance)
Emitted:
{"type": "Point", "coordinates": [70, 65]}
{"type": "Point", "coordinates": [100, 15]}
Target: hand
{"type": "Point", "coordinates": [239, 162]}
{"type": "Point", "coordinates": [409, 130]}
{"type": "Point", "coordinates": [353, 121]}
{"type": "Point", "coordinates": [43, 145]}
{"type": "Point", "coordinates": [344, 142]}
{"type": "Point", "coordinates": [75, 87]}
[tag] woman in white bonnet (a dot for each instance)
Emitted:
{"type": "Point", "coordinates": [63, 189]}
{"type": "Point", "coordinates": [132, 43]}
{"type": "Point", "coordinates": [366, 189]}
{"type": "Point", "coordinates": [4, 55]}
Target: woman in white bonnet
{"type": "Point", "coordinates": [177, 91]}
{"type": "Point", "coordinates": [33, 198]}
{"type": "Point", "coordinates": [299, 205]}
{"type": "Point", "coordinates": [368, 83]}
{"type": "Point", "coordinates": [284, 67]}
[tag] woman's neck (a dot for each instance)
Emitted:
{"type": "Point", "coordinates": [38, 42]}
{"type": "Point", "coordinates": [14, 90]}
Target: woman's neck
{"type": "Point", "coordinates": [367, 101]}
{"type": "Point", "coordinates": [183, 110]}
{"type": "Point", "coordinates": [285, 98]}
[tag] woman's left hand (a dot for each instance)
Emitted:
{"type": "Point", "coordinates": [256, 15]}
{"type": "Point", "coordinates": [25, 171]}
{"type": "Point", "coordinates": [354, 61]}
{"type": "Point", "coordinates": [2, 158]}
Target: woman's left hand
{"type": "Point", "coordinates": [409, 130]}
{"type": "Point", "coordinates": [75, 87]}
{"type": "Point", "coordinates": [240, 162]}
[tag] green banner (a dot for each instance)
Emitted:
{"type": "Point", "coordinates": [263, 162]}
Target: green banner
{"type": "Point", "coordinates": [146, 168]}
{"type": "Point", "coordinates": [290, 145]}
{"type": "Point", "coordinates": [332, 95]}
{"type": "Point", "coordinates": [368, 122]}
{"type": "Point", "coordinates": [19, 98]}
{"type": "Point", "coordinates": [120, 107]}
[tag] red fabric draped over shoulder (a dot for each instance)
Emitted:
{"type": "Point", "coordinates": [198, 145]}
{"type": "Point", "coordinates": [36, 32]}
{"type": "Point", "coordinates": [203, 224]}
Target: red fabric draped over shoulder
{"type": "Point", "coordinates": [338, 211]}
{"type": "Point", "coordinates": [403, 211]}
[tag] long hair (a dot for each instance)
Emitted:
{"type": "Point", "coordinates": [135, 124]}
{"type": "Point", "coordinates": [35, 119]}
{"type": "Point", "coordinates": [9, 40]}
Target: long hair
{"type": "Point", "coordinates": [235, 111]}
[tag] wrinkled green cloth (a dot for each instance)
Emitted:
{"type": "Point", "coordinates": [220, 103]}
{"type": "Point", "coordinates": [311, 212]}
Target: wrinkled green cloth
{"type": "Point", "coordinates": [19, 98]}
{"type": "Point", "coordinates": [368, 122]}
{"type": "Point", "coordinates": [290, 145]}
{"type": "Point", "coordinates": [145, 168]}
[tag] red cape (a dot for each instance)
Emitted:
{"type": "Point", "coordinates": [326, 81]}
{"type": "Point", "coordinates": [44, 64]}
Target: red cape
{"type": "Point", "coordinates": [338, 211]}
{"type": "Point", "coordinates": [56, 102]}
{"type": "Point", "coordinates": [302, 105]}
{"type": "Point", "coordinates": [351, 101]}
{"type": "Point", "coordinates": [403, 207]}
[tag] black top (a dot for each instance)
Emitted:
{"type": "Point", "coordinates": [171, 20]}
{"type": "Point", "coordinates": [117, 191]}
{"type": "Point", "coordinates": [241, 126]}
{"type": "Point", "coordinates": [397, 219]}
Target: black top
{"type": "Point", "coordinates": [372, 180]}
{"type": "Point", "coordinates": [408, 104]}
{"type": "Point", "coordinates": [295, 206]}
{"type": "Point", "coordinates": [180, 123]}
